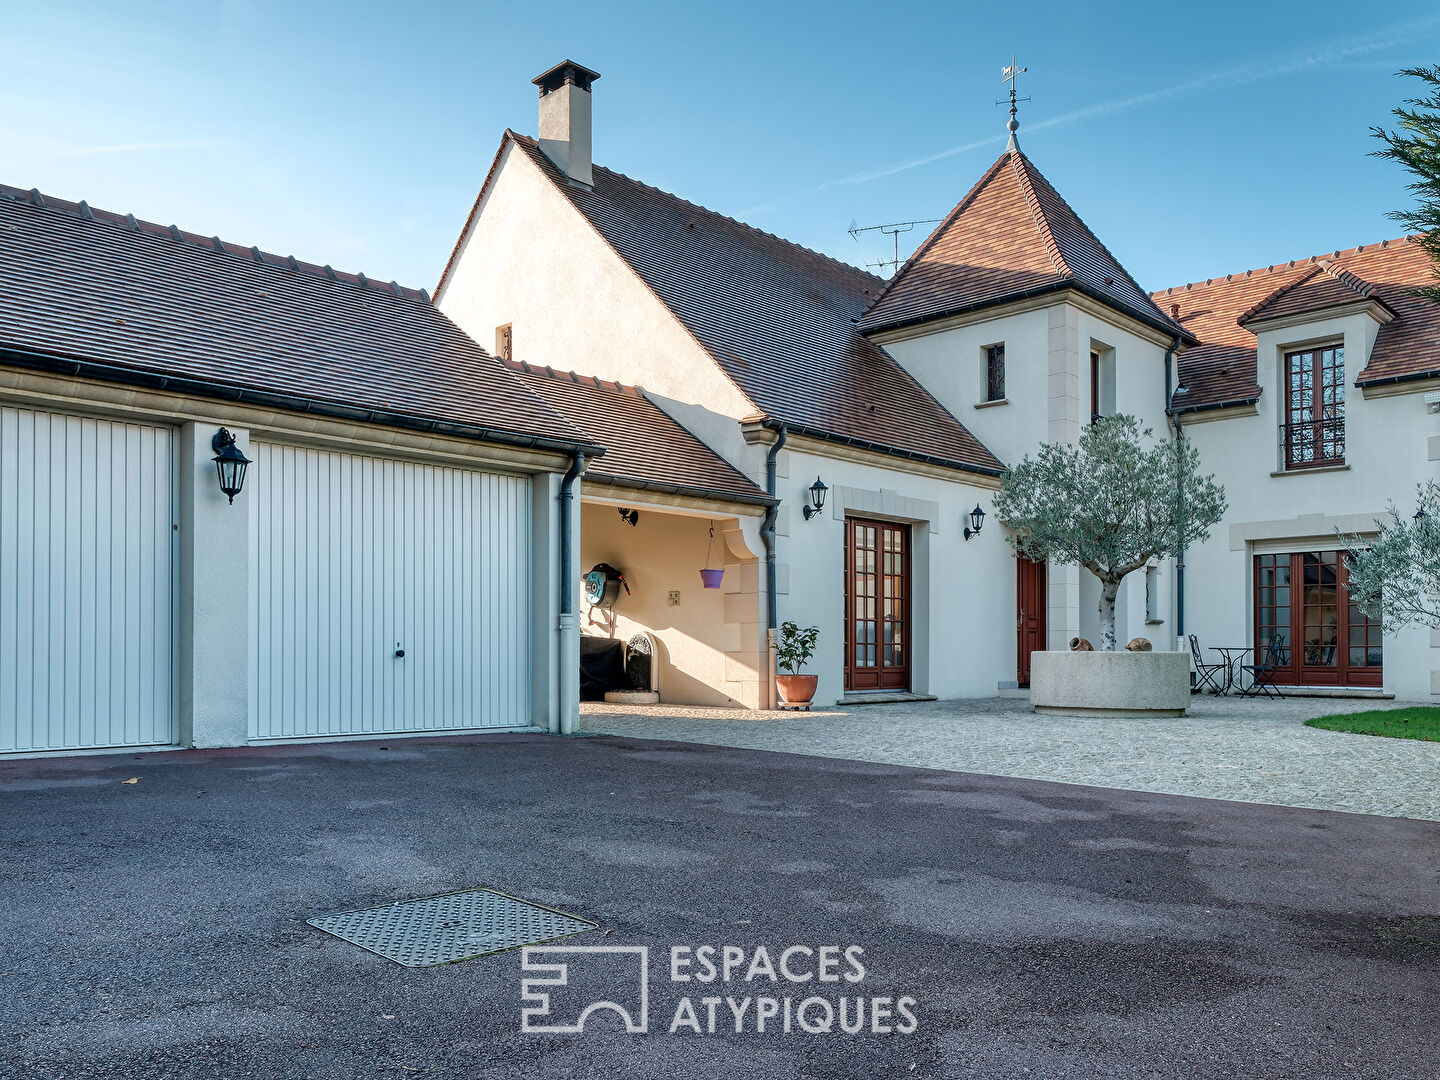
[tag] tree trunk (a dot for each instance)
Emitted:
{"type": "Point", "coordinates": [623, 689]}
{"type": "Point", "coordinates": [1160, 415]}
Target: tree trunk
{"type": "Point", "coordinates": [1108, 591]}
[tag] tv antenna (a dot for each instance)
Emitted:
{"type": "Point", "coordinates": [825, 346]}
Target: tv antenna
{"type": "Point", "coordinates": [1008, 75]}
{"type": "Point", "coordinates": [892, 229]}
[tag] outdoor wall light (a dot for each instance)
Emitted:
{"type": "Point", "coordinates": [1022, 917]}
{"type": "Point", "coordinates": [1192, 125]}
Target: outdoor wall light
{"type": "Point", "coordinates": [630, 517]}
{"type": "Point", "coordinates": [977, 519]}
{"type": "Point", "coordinates": [230, 463]}
{"type": "Point", "coordinates": [817, 499]}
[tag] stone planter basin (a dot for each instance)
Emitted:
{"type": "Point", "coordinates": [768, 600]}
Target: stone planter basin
{"type": "Point", "coordinates": [1114, 683]}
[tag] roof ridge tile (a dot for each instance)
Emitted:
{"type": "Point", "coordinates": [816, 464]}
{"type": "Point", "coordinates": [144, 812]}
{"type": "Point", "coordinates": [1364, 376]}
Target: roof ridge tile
{"type": "Point", "coordinates": [1358, 249]}
{"type": "Point", "coordinates": [85, 212]}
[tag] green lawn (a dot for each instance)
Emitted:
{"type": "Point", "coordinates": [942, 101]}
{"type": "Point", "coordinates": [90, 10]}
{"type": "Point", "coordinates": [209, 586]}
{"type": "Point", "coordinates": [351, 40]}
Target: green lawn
{"type": "Point", "coordinates": [1419, 723]}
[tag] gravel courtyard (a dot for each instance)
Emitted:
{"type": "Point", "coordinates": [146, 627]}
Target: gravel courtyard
{"type": "Point", "coordinates": [1227, 748]}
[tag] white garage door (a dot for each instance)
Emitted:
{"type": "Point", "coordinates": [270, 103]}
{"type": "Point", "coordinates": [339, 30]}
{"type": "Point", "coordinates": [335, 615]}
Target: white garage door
{"type": "Point", "coordinates": [354, 558]}
{"type": "Point", "coordinates": [86, 583]}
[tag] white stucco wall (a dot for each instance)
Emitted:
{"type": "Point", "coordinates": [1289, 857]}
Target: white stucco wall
{"type": "Point", "coordinates": [963, 592]}
{"type": "Point", "coordinates": [1047, 399]}
{"type": "Point", "coordinates": [533, 261]}
{"type": "Point", "coordinates": [1387, 455]}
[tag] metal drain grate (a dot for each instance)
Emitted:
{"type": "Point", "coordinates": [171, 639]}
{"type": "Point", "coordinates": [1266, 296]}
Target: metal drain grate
{"type": "Point", "coordinates": [456, 926]}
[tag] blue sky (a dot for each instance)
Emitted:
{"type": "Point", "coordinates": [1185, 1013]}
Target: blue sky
{"type": "Point", "coordinates": [1194, 139]}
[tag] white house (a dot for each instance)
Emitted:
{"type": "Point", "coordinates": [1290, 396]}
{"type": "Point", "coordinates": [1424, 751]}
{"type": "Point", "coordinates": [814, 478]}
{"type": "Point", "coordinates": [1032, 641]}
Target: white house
{"type": "Point", "coordinates": [793, 366]}
{"type": "Point", "coordinates": [1314, 396]}
{"type": "Point", "coordinates": [671, 391]}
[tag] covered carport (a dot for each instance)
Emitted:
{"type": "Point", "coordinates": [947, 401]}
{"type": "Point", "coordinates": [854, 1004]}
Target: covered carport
{"type": "Point", "coordinates": [647, 511]}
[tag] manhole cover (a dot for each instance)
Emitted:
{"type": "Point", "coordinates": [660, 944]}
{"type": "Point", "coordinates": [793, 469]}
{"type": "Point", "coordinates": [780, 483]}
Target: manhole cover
{"type": "Point", "coordinates": [456, 926]}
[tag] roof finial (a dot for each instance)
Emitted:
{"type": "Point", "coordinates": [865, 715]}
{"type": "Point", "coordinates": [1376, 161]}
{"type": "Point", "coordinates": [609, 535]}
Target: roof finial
{"type": "Point", "coordinates": [1007, 74]}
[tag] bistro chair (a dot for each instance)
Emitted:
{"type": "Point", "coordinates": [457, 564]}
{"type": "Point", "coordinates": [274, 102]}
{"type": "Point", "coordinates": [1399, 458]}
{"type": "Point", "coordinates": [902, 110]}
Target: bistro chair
{"type": "Point", "coordinates": [1262, 675]}
{"type": "Point", "coordinates": [1212, 676]}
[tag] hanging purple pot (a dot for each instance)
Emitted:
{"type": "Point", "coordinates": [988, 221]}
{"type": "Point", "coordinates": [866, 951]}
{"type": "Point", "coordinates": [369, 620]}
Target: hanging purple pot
{"type": "Point", "coordinates": [711, 578]}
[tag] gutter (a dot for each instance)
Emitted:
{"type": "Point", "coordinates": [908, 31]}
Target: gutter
{"type": "Point", "coordinates": [567, 626]}
{"type": "Point", "coordinates": [693, 490]}
{"type": "Point", "coordinates": [881, 448]}
{"type": "Point", "coordinates": [1390, 380]}
{"type": "Point", "coordinates": [1025, 294]}
{"type": "Point", "coordinates": [1214, 405]}
{"type": "Point", "coordinates": [112, 373]}
{"type": "Point", "coordinates": [767, 537]}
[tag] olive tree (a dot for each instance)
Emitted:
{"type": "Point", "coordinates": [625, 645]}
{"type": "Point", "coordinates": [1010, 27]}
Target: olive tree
{"type": "Point", "coordinates": [1396, 576]}
{"type": "Point", "coordinates": [1111, 504]}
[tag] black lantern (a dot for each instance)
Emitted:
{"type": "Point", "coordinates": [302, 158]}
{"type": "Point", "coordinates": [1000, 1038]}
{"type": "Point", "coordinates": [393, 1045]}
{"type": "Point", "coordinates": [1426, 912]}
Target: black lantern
{"type": "Point", "coordinates": [977, 519]}
{"type": "Point", "coordinates": [817, 499]}
{"type": "Point", "coordinates": [230, 463]}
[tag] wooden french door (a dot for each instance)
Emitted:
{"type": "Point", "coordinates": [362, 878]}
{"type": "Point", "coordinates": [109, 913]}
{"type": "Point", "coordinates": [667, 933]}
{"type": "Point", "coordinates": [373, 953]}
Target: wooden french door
{"type": "Point", "coordinates": [1030, 614]}
{"type": "Point", "coordinates": [877, 605]}
{"type": "Point", "coordinates": [1327, 641]}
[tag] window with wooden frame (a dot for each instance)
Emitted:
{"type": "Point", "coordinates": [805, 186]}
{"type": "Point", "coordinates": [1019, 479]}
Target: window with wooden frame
{"type": "Point", "coordinates": [1095, 413]}
{"type": "Point", "coordinates": [995, 372]}
{"type": "Point", "coordinates": [1325, 639]}
{"type": "Point", "coordinates": [1312, 431]}
{"type": "Point", "coordinates": [503, 343]}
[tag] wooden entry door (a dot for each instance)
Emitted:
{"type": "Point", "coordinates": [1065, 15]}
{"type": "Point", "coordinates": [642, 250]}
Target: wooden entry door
{"type": "Point", "coordinates": [1029, 615]}
{"type": "Point", "coordinates": [877, 605]}
{"type": "Point", "coordinates": [1327, 641]}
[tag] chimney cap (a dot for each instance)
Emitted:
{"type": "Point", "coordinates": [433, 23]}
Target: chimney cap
{"type": "Point", "coordinates": [566, 71]}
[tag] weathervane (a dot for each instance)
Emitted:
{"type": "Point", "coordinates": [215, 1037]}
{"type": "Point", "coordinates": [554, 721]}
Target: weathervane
{"type": "Point", "coordinates": [1007, 74]}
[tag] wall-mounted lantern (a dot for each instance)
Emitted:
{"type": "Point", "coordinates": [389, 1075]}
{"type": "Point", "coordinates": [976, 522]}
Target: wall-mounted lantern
{"type": "Point", "coordinates": [977, 519]}
{"type": "Point", "coordinates": [230, 463]}
{"type": "Point", "coordinates": [630, 517]}
{"type": "Point", "coordinates": [817, 499]}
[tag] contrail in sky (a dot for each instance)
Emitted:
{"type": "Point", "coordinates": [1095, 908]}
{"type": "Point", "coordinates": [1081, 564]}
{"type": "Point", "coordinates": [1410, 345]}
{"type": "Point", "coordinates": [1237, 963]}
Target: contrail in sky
{"type": "Point", "coordinates": [1218, 80]}
{"type": "Point", "coordinates": [1241, 75]}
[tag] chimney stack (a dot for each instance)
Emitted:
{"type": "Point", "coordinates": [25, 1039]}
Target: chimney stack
{"type": "Point", "coordinates": [565, 119]}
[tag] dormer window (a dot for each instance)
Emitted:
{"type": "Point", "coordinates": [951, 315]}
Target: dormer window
{"type": "Point", "coordinates": [1313, 428]}
{"type": "Point", "coordinates": [504, 345]}
{"type": "Point", "coordinates": [995, 372]}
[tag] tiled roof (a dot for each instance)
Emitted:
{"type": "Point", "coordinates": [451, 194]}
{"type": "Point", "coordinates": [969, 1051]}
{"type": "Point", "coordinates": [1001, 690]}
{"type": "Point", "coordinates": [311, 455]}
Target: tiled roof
{"type": "Point", "coordinates": [777, 318]}
{"type": "Point", "coordinates": [1011, 236]}
{"type": "Point", "coordinates": [1220, 370]}
{"type": "Point", "coordinates": [105, 289]}
{"type": "Point", "coordinates": [645, 447]}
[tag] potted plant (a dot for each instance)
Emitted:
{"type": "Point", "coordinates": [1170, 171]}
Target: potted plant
{"type": "Point", "coordinates": [794, 648]}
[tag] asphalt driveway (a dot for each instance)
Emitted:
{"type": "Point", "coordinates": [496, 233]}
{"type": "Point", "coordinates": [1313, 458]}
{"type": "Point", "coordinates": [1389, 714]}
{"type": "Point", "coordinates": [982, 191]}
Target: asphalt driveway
{"type": "Point", "coordinates": [156, 929]}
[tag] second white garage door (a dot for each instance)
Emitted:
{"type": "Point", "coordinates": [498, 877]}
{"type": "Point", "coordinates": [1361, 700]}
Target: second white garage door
{"type": "Point", "coordinates": [354, 559]}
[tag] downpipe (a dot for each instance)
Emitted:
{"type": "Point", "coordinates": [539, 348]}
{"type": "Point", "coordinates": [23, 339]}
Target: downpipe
{"type": "Point", "coordinates": [568, 624]}
{"type": "Point", "coordinates": [767, 538]}
{"type": "Point", "coordinates": [1179, 492]}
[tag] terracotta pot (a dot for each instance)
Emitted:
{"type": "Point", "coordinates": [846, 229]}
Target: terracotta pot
{"type": "Point", "coordinates": [796, 689]}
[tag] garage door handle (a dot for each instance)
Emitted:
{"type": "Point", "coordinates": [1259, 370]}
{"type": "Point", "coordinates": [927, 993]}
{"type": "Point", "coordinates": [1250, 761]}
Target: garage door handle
{"type": "Point", "coordinates": [399, 652]}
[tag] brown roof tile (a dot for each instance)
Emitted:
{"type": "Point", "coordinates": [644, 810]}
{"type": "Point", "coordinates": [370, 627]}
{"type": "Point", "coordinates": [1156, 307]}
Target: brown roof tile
{"type": "Point", "coordinates": [1329, 285]}
{"type": "Point", "coordinates": [1011, 236]}
{"type": "Point", "coordinates": [103, 288]}
{"type": "Point", "coordinates": [645, 446]}
{"type": "Point", "coordinates": [777, 318]}
{"type": "Point", "coordinates": [1220, 370]}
